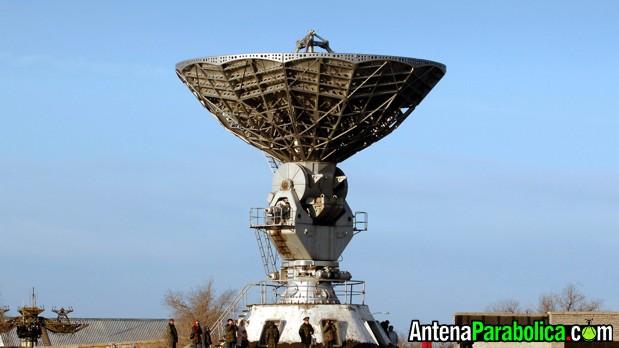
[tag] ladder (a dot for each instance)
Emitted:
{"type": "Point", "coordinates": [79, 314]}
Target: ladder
{"type": "Point", "coordinates": [264, 245]}
{"type": "Point", "coordinates": [266, 251]}
{"type": "Point", "coordinates": [273, 163]}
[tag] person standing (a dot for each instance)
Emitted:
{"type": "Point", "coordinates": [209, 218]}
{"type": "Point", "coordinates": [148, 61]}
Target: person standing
{"type": "Point", "coordinates": [272, 335]}
{"type": "Point", "coordinates": [171, 334]}
{"type": "Point", "coordinates": [196, 335]}
{"type": "Point", "coordinates": [385, 325]}
{"type": "Point", "coordinates": [241, 334]}
{"type": "Point", "coordinates": [305, 332]}
{"type": "Point", "coordinates": [393, 336]}
{"type": "Point", "coordinates": [329, 333]}
{"type": "Point", "coordinates": [206, 339]}
{"type": "Point", "coordinates": [230, 334]}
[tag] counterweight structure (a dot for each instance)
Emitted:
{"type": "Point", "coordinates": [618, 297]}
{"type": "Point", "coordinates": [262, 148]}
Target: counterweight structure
{"type": "Point", "coordinates": [310, 111]}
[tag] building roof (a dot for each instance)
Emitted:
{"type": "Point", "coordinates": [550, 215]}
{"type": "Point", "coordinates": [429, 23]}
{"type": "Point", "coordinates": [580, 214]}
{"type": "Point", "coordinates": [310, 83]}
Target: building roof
{"type": "Point", "coordinates": [99, 331]}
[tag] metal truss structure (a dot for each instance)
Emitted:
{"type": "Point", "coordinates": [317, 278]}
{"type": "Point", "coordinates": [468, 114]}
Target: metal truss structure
{"type": "Point", "coordinates": [319, 107]}
{"type": "Point", "coordinates": [30, 326]}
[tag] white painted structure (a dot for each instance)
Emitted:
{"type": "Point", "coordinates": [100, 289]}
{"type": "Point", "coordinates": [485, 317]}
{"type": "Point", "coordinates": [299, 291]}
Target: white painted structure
{"type": "Point", "coordinates": [355, 324]}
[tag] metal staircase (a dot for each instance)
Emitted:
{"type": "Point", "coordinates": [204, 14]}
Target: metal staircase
{"type": "Point", "coordinates": [266, 251]}
{"type": "Point", "coordinates": [218, 327]}
{"type": "Point", "coordinates": [268, 228]}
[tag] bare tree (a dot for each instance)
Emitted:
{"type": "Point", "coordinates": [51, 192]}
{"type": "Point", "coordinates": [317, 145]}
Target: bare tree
{"type": "Point", "coordinates": [201, 303]}
{"type": "Point", "coordinates": [548, 303]}
{"type": "Point", "coordinates": [572, 299]}
{"type": "Point", "coordinates": [504, 306]}
{"type": "Point", "coordinates": [569, 300]}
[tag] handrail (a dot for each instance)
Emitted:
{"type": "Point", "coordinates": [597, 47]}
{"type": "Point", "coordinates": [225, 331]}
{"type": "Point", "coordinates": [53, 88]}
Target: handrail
{"type": "Point", "coordinates": [345, 295]}
{"type": "Point", "coordinates": [218, 325]}
{"type": "Point", "coordinates": [276, 217]}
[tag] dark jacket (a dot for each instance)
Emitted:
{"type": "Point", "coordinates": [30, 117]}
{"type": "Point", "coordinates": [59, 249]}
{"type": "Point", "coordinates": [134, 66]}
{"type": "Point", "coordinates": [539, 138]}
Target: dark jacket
{"type": "Point", "coordinates": [206, 339]}
{"type": "Point", "coordinates": [328, 333]}
{"type": "Point", "coordinates": [230, 333]}
{"type": "Point", "coordinates": [196, 331]}
{"type": "Point", "coordinates": [171, 334]}
{"type": "Point", "coordinates": [272, 336]}
{"type": "Point", "coordinates": [306, 331]}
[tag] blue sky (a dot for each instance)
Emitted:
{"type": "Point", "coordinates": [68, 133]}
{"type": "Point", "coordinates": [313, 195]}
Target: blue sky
{"type": "Point", "coordinates": [116, 185]}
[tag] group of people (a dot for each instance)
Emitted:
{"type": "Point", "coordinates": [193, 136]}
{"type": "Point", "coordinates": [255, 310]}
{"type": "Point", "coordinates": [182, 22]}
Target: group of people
{"type": "Point", "coordinates": [199, 338]}
{"type": "Point", "coordinates": [306, 333]}
{"type": "Point", "coordinates": [392, 335]}
{"type": "Point", "coordinates": [235, 335]}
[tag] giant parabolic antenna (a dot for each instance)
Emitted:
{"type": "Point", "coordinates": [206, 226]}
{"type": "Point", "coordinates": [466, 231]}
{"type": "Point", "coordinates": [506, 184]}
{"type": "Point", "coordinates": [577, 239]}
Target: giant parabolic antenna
{"type": "Point", "coordinates": [310, 111]}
